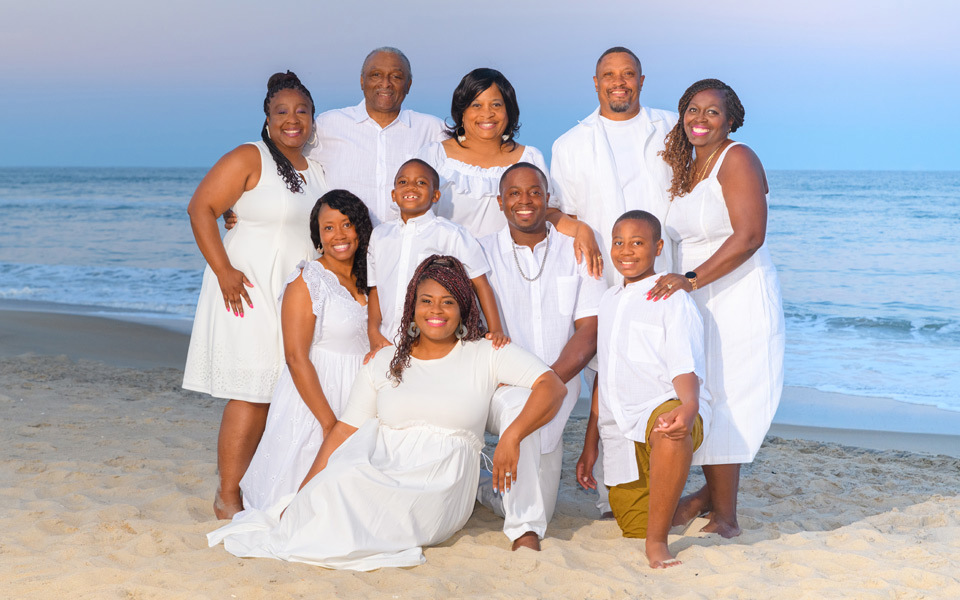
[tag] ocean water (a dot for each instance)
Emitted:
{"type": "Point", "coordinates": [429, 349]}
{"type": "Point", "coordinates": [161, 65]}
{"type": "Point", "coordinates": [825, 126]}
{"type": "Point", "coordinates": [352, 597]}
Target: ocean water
{"type": "Point", "coordinates": [869, 265]}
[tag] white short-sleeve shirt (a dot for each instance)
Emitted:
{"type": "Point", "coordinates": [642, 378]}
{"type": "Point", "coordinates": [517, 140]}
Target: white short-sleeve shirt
{"type": "Point", "coordinates": [539, 315]}
{"type": "Point", "coordinates": [397, 248]}
{"type": "Point", "coordinates": [641, 346]}
{"type": "Point", "coordinates": [360, 156]}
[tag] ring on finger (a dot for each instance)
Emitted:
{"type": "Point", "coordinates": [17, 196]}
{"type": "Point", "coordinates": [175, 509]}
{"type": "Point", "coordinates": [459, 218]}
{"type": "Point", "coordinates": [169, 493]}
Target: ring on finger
{"type": "Point", "coordinates": [669, 286]}
{"type": "Point", "coordinates": [508, 474]}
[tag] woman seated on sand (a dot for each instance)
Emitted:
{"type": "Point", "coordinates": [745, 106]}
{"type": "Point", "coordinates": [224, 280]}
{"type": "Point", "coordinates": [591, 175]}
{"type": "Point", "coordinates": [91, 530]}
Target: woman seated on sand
{"type": "Point", "coordinates": [323, 318]}
{"type": "Point", "coordinates": [399, 470]}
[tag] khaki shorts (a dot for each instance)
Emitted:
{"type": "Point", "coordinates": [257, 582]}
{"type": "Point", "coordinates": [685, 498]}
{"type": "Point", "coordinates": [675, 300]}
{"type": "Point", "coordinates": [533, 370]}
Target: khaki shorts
{"type": "Point", "coordinates": [630, 502]}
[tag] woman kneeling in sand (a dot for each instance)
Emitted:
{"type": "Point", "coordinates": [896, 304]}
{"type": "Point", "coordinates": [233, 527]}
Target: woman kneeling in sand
{"type": "Point", "coordinates": [399, 470]}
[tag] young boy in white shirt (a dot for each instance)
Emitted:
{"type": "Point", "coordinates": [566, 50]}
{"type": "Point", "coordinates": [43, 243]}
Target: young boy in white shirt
{"type": "Point", "coordinates": [651, 411]}
{"type": "Point", "coordinates": [397, 247]}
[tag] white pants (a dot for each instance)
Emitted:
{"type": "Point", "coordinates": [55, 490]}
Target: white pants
{"type": "Point", "coordinates": [530, 503]}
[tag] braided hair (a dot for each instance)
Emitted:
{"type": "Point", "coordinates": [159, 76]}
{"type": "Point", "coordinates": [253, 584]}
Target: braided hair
{"type": "Point", "coordinates": [448, 272]}
{"type": "Point", "coordinates": [678, 151]}
{"type": "Point", "coordinates": [355, 210]}
{"type": "Point", "coordinates": [285, 169]}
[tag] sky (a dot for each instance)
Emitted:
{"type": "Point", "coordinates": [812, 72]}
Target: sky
{"type": "Point", "coordinates": [827, 84]}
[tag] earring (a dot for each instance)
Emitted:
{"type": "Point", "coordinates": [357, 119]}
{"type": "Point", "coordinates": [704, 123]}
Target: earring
{"type": "Point", "coordinates": [413, 331]}
{"type": "Point", "coordinates": [267, 129]}
{"type": "Point", "coordinates": [462, 331]}
{"type": "Point", "coordinates": [320, 250]}
{"type": "Point", "coordinates": [505, 137]}
{"type": "Point", "coordinates": [313, 138]}
{"type": "Point", "coordinates": [461, 134]}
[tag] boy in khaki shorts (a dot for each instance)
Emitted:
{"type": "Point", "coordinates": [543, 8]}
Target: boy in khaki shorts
{"type": "Point", "coordinates": [651, 410]}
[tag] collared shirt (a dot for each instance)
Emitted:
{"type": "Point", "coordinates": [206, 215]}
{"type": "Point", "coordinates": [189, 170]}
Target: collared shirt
{"type": "Point", "coordinates": [641, 346]}
{"type": "Point", "coordinates": [396, 250]}
{"type": "Point", "coordinates": [587, 170]}
{"type": "Point", "coordinates": [359, 156]}
{"type": "Point", "coordinates": [539, 315]}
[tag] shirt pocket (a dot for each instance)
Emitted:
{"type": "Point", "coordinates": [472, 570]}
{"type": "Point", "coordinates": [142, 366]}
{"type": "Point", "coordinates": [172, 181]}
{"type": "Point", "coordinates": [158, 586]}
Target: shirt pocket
{"type": "Point", "coordinates": [567, 287]}
{"type": "Point", "coordinates": [644, 342]}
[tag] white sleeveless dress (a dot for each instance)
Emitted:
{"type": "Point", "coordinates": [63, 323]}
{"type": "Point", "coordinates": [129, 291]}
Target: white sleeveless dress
{"type": "Point", "coordinates": [742, 325]}
{"type": "Point", "coordinates": [241, 358]}
{"type": "Point", "coordinates": [293, 435]}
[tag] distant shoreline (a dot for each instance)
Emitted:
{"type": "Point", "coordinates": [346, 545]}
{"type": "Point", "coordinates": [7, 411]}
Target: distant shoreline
{"type": "Point", "coordinates": [146, 343]}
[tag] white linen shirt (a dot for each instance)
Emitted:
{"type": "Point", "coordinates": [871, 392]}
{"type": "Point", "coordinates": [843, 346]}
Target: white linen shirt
{"type": "Point", "coordinates": [641, 346]}
{"type": "Point", "coordinates": [397, 248]}
{"type": "Point", "coordinates": [360, 156]}
{"type": "Point", "coordinates": [585, 176]}
{"type": "Point", "coordinates": [539, 315]}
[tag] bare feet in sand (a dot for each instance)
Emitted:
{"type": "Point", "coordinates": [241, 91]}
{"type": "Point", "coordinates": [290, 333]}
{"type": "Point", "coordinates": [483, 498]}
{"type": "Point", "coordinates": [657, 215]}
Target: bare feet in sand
{"type": "Point", "coordinates": [689, 508]}
{"type": "Point", "coordinates": [225, 508]}
{"type": "Point", "coordinates": [528, 540]}
{"type": "Point", "coordinates": [726, 529]}
{"type": "Point", "coordinates": [659, 556]}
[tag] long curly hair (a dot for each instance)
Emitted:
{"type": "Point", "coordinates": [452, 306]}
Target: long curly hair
{"type": "Point", "coordinates": [448, 272]}
{"type": "Point", "coordinates": [678, 151]}
{"type": "Point", "coordinates": [355, 210]}
{"type": "Point", "coordinates": [472, 85]}
{"type": "Point", "coordinates": [285, 169]}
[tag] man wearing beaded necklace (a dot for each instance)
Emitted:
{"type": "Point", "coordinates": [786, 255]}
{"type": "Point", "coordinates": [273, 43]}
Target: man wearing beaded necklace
{"type": "Point", "coordinates": [548, 305]}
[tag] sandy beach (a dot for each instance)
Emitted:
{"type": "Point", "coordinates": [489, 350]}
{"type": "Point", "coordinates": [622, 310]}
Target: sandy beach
{"type": "Point", "coordinates": [108, 470]}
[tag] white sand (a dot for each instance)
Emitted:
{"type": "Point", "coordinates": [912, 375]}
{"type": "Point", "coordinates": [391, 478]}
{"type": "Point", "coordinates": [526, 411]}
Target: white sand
{"type": "Point", "coordinates": [107, 475]}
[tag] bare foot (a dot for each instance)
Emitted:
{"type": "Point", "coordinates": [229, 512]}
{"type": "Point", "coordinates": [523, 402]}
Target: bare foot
{"type": "Point", "coordinates": [528, 540]}
{"type": "Point", "coordinates": [224, 509]}
{"type": "Point", "coordinates": [690, 507]}
{"type": "Point", "coordinates": [659, 556]}
{"type": "Point", "coordinates": [726, 529]}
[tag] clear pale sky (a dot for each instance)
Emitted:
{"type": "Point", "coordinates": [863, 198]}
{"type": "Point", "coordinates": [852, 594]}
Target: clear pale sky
{"type": "Point", "coordinates": [826, 84]}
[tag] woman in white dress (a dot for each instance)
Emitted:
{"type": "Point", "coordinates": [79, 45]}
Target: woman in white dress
{"type": "Point", "coordinates": [235, 350]}
{"type": "Point", "coordinates": [479, 149]}
{"type": "Point", "coordinates": [718, 217]}
{"type": "Point", "coordinates": [399, 470]}
{"type": "Point", "coordinates": [323, 317]}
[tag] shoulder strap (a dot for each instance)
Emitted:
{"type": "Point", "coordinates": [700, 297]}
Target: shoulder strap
{"type": "Point", "coordinates": [716, 167]}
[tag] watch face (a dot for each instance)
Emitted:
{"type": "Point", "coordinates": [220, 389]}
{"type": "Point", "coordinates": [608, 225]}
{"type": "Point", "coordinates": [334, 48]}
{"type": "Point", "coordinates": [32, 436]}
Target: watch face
{"type": "Point", "coordinates": [690, 275]}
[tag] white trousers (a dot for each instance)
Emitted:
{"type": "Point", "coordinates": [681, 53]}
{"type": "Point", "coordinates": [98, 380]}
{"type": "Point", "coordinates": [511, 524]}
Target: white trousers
{"type": "Point", "coordinates": [530, 503]}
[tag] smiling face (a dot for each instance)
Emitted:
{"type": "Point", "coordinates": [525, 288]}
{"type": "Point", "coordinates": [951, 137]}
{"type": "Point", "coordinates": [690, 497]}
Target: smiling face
{"type": "Point", "coordinates": [414, 190]}
{"type": "Point", "coordinates": [338, 236]}
{"type": "Point", "coordinates": [290, 120]}
{"type": "Point", "coordinates": [523, 199]}
{"type": "Point", "coordinates": [385, 83]}
{"type": "Point", "coordinates": [436, 313]}
{"type": "Point", "coordinates": [705, 120]}
{"type": "Point", "coordinates": [486, 116]}
{"type": "Point", "coordinates": [618, 82]}
{"type": "Point", "coordinates": [634, 249]}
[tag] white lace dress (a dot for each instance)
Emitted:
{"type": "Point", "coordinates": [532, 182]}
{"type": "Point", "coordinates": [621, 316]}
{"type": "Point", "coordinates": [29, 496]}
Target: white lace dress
{"type": "Point", "coordinates": [743, 330]}
{"type": "Point", "coordinates": [468, 194]}
{"type": "Point", "coordinates": [293, 435]}
{"type": "Point", "coordinates": [241, 358]}
{"type": "Point", "coordinates": [406, 479]}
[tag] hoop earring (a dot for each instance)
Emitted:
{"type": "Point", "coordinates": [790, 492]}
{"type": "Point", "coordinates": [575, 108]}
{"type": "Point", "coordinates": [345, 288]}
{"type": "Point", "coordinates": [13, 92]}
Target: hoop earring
{"type": "Point", "coordinates": [313, 138]}
{"type": "Point", "coordinates": [462, 331]}
{"type": "Point", "coordinates": [413, 331]}
{"type": "Point", "coordinates": [461, 134]}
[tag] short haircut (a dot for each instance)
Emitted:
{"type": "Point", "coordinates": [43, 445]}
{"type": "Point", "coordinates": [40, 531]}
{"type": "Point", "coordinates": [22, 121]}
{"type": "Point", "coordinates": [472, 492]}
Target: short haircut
{"type": "Point", "coordinates": [389, 50]}
{"type": "Point", "coordinates": [544, 181]}
{"type": "Point", "coordinates": [472, 85]}
{"type": "Point", "coordinates": [625, 50]}
{"type": "Point", "coordinates": [433, 172]}
{"type": "Point", "coordinates": [642, 215]}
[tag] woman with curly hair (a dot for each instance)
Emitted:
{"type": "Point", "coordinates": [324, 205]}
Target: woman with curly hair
{"type": "Point", "coordinates": [719, 219]}
{"type": "Point", "coordinates": [235, 350]}
{"type": "Point", "coordinates": [323, 318]}
{"type": "Point", "coordinates": [399, 470]}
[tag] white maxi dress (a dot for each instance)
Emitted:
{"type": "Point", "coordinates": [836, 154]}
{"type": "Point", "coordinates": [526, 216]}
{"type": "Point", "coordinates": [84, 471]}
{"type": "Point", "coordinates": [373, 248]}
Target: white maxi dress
{"type": "Point", "coordinates": [406, 479]}
{"type": "Point", "coordinates": [293, 435]}
{"type": "Point", "coordinates": [743, 326]}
